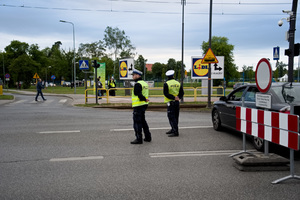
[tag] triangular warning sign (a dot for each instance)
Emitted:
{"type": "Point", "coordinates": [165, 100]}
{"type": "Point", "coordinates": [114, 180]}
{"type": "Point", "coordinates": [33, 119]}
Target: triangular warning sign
{"type": "Point", "coordinates": [209, 57]}
{"type": "Point", "coordinates": [36, 76]}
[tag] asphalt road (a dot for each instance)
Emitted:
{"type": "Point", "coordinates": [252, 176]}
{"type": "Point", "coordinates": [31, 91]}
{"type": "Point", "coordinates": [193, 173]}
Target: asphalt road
{"type": "Point", "coordinates": [52, 150]}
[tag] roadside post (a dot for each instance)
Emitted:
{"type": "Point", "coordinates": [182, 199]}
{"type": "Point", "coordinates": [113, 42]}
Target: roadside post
{"type": "Point", "coordinates": [263, 78]}
{"type": "Point", "coordinates": [96, 65]}
{"type": "Point", "coordinates": [244, 139]}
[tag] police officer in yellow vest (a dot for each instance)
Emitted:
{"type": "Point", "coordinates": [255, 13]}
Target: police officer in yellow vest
{"type": "Point", "coordinates": [112, 84]}
{"type": "Point", "coordinates": [173, 92]}
{"type": "Point", "coordinates": [140, 102]}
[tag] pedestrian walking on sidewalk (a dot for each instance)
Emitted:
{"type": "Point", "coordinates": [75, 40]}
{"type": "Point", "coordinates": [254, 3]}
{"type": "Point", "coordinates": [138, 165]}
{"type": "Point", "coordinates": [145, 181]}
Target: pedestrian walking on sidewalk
{"type": "Point", "coordinates": [39, 88]}
{"type": "Point", "coordinates": [140, 102]}
{"type": "Point", "coordinates": [173, 92]}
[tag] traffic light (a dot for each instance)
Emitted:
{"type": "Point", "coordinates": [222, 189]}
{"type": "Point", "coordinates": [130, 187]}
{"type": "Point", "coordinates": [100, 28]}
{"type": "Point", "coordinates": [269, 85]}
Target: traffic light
{"type": "Point", "coordinates": [296, 49]}
{"type": "Point", "coordinates": [96, 64]}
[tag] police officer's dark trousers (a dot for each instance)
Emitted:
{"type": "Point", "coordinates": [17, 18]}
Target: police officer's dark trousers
{"type": "Point", "coordinates": [173, 115]}
{"type": "Point", "coordinates": [140, 124]}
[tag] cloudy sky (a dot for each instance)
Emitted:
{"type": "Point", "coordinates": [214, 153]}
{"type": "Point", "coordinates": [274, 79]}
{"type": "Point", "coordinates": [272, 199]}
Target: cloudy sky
{"type": "Point", "coordinates": [154, 27]}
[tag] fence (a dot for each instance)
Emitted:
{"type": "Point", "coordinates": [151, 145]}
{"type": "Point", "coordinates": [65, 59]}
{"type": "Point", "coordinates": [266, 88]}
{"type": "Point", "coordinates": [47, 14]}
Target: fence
{"type": "Point", "coordinates": [279, 128]}
{"type": "Point", "coordinates": [154, 92]}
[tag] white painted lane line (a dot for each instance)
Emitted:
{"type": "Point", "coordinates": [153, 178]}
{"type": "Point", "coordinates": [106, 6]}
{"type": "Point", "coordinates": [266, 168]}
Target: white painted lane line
{"type": "Point", "coordinates": [193, 153]}
{"type": "Point", "coordinates": [164, 128]}
{"type": "Point", "coordinates": [20, 101]}
{"type": "Point", "coordinates": [48, 132]}
{"type": "Point", "coordinates": [76, 158]}
{"type": "Point", "coordinates": [63, 101]}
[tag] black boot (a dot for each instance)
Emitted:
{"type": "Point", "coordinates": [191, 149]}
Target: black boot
{"type": "Point", "coordinates": [137, 142]}
{"type": "Point", "coordinates": [173, 135]}
{"type": "Point", "coordinates": [169, 132]}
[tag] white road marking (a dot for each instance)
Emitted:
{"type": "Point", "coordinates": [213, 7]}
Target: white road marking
{"type": "Point", "coordinates": [76, 158]}
{"type": "Point", "coordinates": [63, 101]}
{"type": "Point", "coordinates": [163, 128]}
{"type": "Point", "coordinates": [48, 132]}
{"type": "Point", "coordinates": [17, 102]}
{"type": "Point", "coordinates": [193, 153]}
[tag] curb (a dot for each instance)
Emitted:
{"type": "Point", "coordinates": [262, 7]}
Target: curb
{"type": "Point", "coordinates": [151, 107]}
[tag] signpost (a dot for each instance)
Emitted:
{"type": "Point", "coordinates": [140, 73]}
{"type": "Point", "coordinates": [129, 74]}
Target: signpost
{"type": "Point", "coordinates": [126, 66]}
{"type": "Point", "coordinates": [200, 71]}
{"type": "Point", "coordinates": [263, 75]}
{"type": "Point", "coordinates": [276, 53]}
{"type": "Point", "coordinates": [36, 77]}
{"type": "Point", "coordinates": [83, 64]}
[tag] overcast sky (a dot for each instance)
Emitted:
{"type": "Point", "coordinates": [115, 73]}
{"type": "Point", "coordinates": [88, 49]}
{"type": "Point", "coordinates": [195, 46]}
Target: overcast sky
{"type": "Point", "coordinates": [153, 26]}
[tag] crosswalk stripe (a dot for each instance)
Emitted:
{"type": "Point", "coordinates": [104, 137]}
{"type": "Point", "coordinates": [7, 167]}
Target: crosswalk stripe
{"type": "Point", "coordinates": [63, 101]}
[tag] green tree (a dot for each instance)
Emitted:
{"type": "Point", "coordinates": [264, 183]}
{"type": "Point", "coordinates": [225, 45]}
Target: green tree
{"type": "Point", "coordinates": [280, 70]}
{"type": "Point", "coordinates": [221, 47]}
{"type": "Point", "coordinates": [118, 42]}
{"type": "Point", "coordinates": [158, 71]}
{"type": "Point", "coordinates": [20, 65]}
{"type": "Point", "coordinates": [94, 49]}
{"type": "Point", "coordinates": [23, 69]}
{"type": "Point", "coordinates": [140, 64]}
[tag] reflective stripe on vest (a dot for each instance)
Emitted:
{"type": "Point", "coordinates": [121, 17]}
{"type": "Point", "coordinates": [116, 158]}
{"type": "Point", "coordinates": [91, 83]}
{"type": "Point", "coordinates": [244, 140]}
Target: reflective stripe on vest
{"type": "Point", "coordinates": [173, 87]}
{"type": "Point", "coordinates": [145, 91]}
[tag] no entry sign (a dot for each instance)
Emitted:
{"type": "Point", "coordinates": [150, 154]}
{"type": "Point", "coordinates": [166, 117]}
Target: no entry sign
{"type": "Point", "coordinates": [263, 75]}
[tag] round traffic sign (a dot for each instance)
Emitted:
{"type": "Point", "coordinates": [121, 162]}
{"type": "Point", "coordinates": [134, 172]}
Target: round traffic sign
{"type": "Point", "coordinates": [7, 76]}
{"type": "Point", "coordinates": [263, 75]}
{"type": "Point", "coordinates": [123, 69]}
{"type": "Point", "coordinates": [200, 69]}
{"type": "Point", "coordinates": [53, 77]}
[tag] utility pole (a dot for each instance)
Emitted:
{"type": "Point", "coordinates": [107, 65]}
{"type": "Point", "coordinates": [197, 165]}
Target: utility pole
{"type": "Point", "coordinates": [291, 52]}
{"type": "Point", "coordinates": [209, 65]}
{"type": "Point", "coordinates": [183, 3]}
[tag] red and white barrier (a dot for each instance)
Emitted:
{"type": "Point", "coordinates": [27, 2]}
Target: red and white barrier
{"type": "Point", "coordinates": [279, 128]}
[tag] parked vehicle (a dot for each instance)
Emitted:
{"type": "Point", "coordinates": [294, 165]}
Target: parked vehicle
{"type": "Point", "coordinates": [67, 84]}
{"type": "Point", "coordinates": [282, 96]}
{"type": "Point", "coordinates": [236, 85]}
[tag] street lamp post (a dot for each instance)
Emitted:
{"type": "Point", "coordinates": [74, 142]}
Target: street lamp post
{"type": "Point", "coordinates": [47, 74]}
{"type": "Point", "coordinates": [63, 21]}
{"type": "Point", "coordinates": [3, 69]}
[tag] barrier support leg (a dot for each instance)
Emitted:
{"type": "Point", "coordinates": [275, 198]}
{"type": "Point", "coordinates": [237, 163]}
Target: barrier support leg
{"type": "Point", "coordinates": [244, 148]}
{"type": "Point", "coordinates": [292, 170]}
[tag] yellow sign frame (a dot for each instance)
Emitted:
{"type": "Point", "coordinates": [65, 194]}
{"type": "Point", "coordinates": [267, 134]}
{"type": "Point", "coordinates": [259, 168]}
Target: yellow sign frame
{"type": "Point", "coordinates": [209, 57]}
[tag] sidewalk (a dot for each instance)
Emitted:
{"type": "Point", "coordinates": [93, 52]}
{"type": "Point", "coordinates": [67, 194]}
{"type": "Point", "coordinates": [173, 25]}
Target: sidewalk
{"type": "Point", "coordinates": [80, 98]}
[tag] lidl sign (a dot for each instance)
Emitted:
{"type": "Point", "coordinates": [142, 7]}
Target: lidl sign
{"type": "Point", "coordinates": [126, 67]}
{"type": "Point", "coordinates": [200, 70]}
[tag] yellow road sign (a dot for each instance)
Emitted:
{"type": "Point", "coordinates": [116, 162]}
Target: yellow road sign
{"type": "Point", "coordinates": [209, 57]}
{"type": "Point", "coordinates": [36, 76]}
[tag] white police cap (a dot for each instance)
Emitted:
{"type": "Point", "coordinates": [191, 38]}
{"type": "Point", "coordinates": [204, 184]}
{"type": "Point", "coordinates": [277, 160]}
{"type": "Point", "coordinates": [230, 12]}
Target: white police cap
{"type": "Point", "coordinates": [135, 71]}
{"type": "Point", "coordinates": [170, 73]}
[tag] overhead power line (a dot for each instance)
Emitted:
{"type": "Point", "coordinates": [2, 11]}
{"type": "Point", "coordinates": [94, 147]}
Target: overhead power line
{"type": "Point", "coordinates": [138, 12]}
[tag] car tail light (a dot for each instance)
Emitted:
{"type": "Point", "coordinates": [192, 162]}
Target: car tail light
{"type": "Point", "coordinates": [285, 109]}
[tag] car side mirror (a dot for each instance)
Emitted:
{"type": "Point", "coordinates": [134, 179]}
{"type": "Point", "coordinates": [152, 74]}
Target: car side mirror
{"type": "Point", "coordinates": [223, 98]}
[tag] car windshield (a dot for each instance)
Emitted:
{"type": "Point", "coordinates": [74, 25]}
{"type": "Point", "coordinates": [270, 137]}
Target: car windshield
{"type": "Point", "coordinates": [288, 93]}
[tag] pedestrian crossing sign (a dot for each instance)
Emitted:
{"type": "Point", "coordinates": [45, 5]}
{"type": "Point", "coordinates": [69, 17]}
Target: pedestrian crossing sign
{"type": "Point", "coordinates": [36, 76]}
{"type": "Point", "coordinates": [83, 64]}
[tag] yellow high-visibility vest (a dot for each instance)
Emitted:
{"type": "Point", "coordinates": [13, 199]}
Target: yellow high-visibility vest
{"type": "Point", "coordinates": [112, 84]}
{"type": "Point", "coordinates": [173, 87]}
{"type": "Point", "coordinates": [145, 91]}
